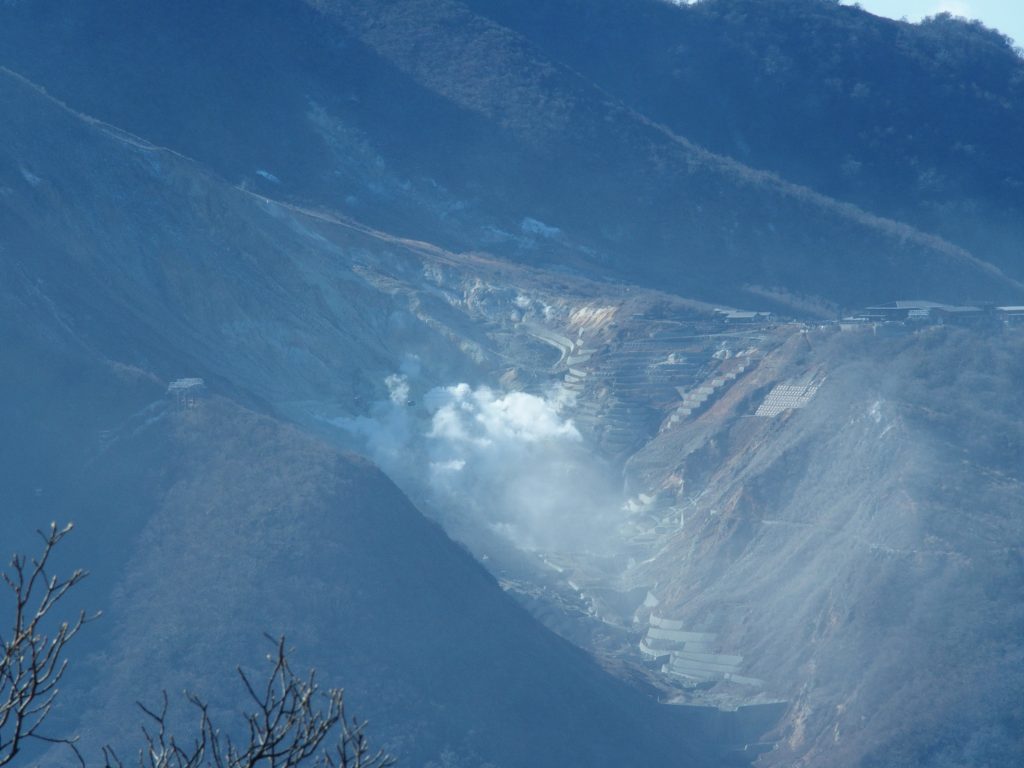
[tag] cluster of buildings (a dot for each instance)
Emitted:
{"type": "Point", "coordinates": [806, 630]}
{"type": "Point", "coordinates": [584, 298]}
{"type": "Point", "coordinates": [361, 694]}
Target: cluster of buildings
{"type": "Point", "coordinates": [692, 656]}
{"type": "Point", "coordinates": [903, 313]}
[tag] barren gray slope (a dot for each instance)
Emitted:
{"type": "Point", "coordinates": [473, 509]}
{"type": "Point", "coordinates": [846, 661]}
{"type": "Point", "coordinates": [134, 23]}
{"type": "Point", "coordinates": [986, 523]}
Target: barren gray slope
{"type": "Point", "coordinates": [863, 554]}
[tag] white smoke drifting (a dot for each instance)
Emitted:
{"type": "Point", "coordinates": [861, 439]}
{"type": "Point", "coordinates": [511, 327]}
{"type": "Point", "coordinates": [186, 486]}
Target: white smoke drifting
{"type": "Point", "coordinates": [509, 461]}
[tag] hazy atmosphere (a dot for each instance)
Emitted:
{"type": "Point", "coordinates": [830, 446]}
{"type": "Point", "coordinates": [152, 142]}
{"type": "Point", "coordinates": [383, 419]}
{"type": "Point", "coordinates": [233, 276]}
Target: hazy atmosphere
{"type": "Point", "coordinates": [489, 384]}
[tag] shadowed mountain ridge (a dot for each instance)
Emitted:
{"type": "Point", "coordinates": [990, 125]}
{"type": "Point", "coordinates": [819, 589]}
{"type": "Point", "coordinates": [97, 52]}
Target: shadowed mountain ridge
{"type": "Point", "coordinates": [920, 123]}
{"type": "Point", "coordinates": [512, 151]}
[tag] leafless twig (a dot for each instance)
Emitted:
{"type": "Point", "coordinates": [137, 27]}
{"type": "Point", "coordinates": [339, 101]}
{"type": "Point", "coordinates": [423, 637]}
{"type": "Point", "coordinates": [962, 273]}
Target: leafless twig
{"type": "Point", "coordinates": [293, 723]}
{"type": "Point", "coordinates": [32, 662]}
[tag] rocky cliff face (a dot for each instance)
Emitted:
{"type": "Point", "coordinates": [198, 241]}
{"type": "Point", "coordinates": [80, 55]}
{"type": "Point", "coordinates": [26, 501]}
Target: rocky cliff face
{"type": "Point", "coordinates": [852, 553]}
{"type": "Point", "coordinates": [822, 519]}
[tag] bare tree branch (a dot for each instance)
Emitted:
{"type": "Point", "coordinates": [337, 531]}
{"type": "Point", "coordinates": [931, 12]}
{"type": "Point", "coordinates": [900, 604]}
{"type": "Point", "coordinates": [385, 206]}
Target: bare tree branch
{"type": "Point", "coordinates": [32, 662]}
{"type": "Point", "coordinates": [292, 723]}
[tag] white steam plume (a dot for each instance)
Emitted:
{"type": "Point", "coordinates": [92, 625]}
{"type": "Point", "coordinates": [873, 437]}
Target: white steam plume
{"type": "Point", "coordinates": [510, 461]}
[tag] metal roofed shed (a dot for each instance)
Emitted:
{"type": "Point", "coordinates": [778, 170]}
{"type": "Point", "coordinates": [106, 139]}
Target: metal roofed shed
{"type": "Point", "coordinates": [742, 316]}
{"type": "Point", "coordinates": [1013, 315]}
{"type": "Point", "coordinates": [186, 392]}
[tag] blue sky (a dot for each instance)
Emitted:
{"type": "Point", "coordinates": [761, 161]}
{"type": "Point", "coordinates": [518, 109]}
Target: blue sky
{"type": "Point", "coordinates": [1005, 15]}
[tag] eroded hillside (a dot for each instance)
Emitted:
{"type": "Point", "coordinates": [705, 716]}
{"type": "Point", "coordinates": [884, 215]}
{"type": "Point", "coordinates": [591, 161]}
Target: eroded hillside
{"type": "Point", "coordinates": [840, 529]}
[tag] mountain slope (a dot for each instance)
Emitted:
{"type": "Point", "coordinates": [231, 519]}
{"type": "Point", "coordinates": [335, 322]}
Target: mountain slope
{"type": "Point", "coordinates": [149, 250]}
{"type": "Point", "coordinates": [854, 552]}
{"type": "Point", "coordinates": [919, 123]}
{"type": "Point", "coordinates": [505, 141]}
{"type": "Point", "coordinates": [124, 266]}
{"type": "Point", "coordinates": [262, 529]}
{"type": "Point", "coordinates": [863, 553]}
